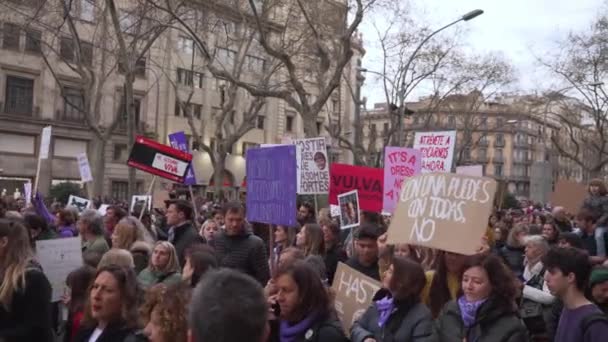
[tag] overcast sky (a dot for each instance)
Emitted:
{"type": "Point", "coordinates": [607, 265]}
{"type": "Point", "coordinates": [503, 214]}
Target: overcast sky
{"type": "Point", "coordinates": [519, 29]}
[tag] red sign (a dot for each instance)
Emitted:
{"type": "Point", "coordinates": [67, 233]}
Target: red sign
{"type": "Point", "coordinates": [158, 159]}
{"type": "Point", "coordinates": [367, 180]}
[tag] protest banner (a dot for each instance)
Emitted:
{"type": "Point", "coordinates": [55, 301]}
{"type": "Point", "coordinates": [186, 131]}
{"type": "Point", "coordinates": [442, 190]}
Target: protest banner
{"type": "Point", "coordinates": [470, 170]}
{"type": "Point", "coordinates": [27, 192]}
{"type": "Point", "coordinates": [84, 168]}
{"type": "Point", "coordinates": [354, 293]}
{"type": "Point", "coordinates": [59, 257]}
{"type": "Point", "coordinates": [437, 149]}
{"type": "Point", "coordinates": [444, 211]}
{"type": "Point", "coordinates": [271, 185]}
{"type": "Point", "coordinates": [158, 159]}
{"type": "Point", "coordinates": [368, 180]}
{"type": "Point", "coordinates": [399, 164]}
{"type": "Point", "coordinates": [81, 204]}
{"type": "Point", "coordinates": [569, 194]}
{"type": "Point", "coordinates": [312, 166]}
{"type": "Point", "coordinates": [145, 201]}
{"type": "Point", "coordinates": [349, 209]}
{"type": "Point", "coordinates": [43, 152]}
{"type": "Point", "coordinates": [103, 209]}
{"type": "Point", "coordinates": [179, 141]}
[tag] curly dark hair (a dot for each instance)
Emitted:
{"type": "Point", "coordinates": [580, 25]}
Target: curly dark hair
{"type": "Point", "coordinates": [501, 278]}
{"type": "Point", "coordinates": [171, 306]}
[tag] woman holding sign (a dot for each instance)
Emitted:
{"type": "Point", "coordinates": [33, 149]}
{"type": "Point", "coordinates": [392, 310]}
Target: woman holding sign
{"type": "Point", "coordinates": [485, 311]}
{"type": "Point", "coordinates": [397, 313]}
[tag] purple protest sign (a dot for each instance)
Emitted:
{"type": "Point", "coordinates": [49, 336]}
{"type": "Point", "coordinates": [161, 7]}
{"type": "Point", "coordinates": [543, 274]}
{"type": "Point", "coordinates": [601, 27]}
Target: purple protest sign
{"type": "Point", "coordinates": [272, 185]}
{"type": "Point", "coordinates": [178, 141]}
{"type": "Point", "coordinates": [399, 163]}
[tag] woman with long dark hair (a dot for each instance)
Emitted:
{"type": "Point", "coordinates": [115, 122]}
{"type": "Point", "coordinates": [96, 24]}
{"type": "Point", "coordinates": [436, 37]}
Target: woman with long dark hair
{"type": "Point", "coordinates": [111, 310]}
{"type": "Point", "coordinates": [550, 232]}
{"type": "Point", "coordinates": [485, 310]}
{"type": "Point", "coordinates": [397, 313]}
{"type": "Point", "coordinates": [25, 292]}
{"type": "Point", "coordinates": [443, 283]}
{"type": "Point", "coordinates": [78, 282]}
{"type": "Point", "coordinates": [304, 307]}
{"type": "Point", "coordinates": [310, 240]}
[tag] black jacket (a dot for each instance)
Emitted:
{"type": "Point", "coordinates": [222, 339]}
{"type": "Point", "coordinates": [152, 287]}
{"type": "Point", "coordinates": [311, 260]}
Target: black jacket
{"type": "Point", "coordinates": [185, 236]}
{"type": "Point", "coordinates": [513, 258]}
{"type": "Point", "coordinates": [493, 324]}
{"type": "Point", "coordinates": [412, 322]}
{"type": "Point", "coordinates": [563, 226]}
{"type": "Point", "coordinates": [332, 256]}
{"type": "Point", "coordinates": [245, 252]}
{"type": "Point", "coordinates": [116, 332]}
{"type": "Point", "coordinates": [29, 318]}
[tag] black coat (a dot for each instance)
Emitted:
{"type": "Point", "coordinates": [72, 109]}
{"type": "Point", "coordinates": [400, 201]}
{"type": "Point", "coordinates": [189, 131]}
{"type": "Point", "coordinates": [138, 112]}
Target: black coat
{"type": "Point", "coordinates": [245, 252]}
{"type": "Point", "coordinates": [333, 255]}
{"type": "Point", "coordinates": [29, 318]}
{"type": "Point", "coordinates": [493, 324]}
{"type": "Point", "coordinates": [116, 332]}
{"type": "Point", "coordinates": [412, 322]}
{"type": "Point", "coordinates": [185, 236]}
{"type": "Point", "coordinates": [513, 258]}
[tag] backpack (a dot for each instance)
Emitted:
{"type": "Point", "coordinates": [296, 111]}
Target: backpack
{"type": "Point", "coordinates": [590, 319]}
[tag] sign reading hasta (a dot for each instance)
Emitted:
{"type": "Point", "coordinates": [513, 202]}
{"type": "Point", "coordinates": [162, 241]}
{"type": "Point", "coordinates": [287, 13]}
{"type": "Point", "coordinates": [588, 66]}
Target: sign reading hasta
{"type": "Point", "coordinates": [444, 211]}
{"type": "Point", "coordinates": [354, 293]}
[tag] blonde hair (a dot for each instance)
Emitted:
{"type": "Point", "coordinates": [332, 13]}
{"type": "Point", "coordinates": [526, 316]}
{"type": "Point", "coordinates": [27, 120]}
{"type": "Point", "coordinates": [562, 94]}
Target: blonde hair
{"type": "Point", "coordinates": [126, 235]}
{"type": "Point", "coordinates": [173, 263]}
{"type": "Point", "coordinates": [15, 260]}
{"type": "Point", "coordinates": [118, 257]}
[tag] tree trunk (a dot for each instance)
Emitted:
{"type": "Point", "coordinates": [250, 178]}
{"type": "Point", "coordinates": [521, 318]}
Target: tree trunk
{"type": "Point", "coordinates": [131, 127]}
{"type": "Point", "coordinates": [218, 173]}
{"type": "Point", "coordinates": [310, 125]}
{"type": "Point", "coordinates": [98, 166]}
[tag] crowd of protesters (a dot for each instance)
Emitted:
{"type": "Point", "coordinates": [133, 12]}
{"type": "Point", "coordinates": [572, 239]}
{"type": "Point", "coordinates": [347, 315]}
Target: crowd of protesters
{"type": "Point", "coordinates": [175, 274]}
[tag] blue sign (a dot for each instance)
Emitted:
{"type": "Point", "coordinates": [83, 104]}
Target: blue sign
{"type": "Point", "coordinates": [272, 185]}
{"type": "Point", "coordinates": [178, 141]}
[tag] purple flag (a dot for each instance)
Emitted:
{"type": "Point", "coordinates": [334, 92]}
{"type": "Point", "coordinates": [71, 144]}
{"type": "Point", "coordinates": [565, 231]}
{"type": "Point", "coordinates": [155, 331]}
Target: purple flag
{"type": "Point", "coordinates": [178, 141]}
{"type": "Point", "coordinates": [272, 185]}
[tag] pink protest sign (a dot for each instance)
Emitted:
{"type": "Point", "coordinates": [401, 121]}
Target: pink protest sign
{"type": "Point", "coordinates": [399, 163]}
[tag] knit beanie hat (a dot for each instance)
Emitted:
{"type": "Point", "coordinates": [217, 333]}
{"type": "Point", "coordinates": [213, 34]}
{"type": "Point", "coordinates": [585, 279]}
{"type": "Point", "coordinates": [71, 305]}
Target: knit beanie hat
{"type": "Point", "coordinates": [598, 276]}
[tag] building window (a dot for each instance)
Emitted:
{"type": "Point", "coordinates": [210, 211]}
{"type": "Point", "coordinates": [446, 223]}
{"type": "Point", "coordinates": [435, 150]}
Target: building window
{"type": "Point", "coordinates": [500, 122]}
{"type": "Point", "coordinates": [32, 41]}
{"type": "Point", "coordinates": [319, 126]}
{"type": "Point", "coordinates": [256, 64]}
{"type": "Point", "coordinates": [19, 97]}
{"type": "Point", "coordinates": [334, 106]}
{"type": "Point", "coordinates": [185, 45]}
{"type": "Point", "coordinates": [189, 78]}
{"type": "Point", "coordinates": [498, 154]}
{"type": "Point", "coordinates": [73, 105]}
{"type": "Point", "coordinates": [66, 49]}
{"type": "Point", "coordinates": [122, 125]}
{"type": "Point", "coordinates": [139, 70]}
{"type": "Point", "coordinates": [120, 153]}
{"type": "Point", "coordinates": [483, 122]}
{"type": "Point", "coordinates": [482, 154]}
{"type": "Point", "coordinates": [87, 10]}
{"type": "Point", "coordinates": [11, 34]}
{"type": "Point", "coordinates": [385, 128]}
{"type": "Point", "coordinates": [120, 190]}
{"type": "Point", "coordinates": [226, 57]}
{"type": "Point", "coordinates": [260, 121]}
{"type": "Point", "coordinates": [500, 140]}
{"type": "Point", "coordinates": [498, 170]}
{"type": "Point", "coordinates": [451, 121]}
{"type": "Point", "coordinates": [195, 109]}
{"type": "Point", "coordinates": [289, 123]}
{"type": "Point", "coordinates": [68, 53]}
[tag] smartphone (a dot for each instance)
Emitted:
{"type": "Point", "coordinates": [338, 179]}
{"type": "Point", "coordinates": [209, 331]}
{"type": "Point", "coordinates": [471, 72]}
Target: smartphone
{"type": "Point", "coordinates": [276, 309]}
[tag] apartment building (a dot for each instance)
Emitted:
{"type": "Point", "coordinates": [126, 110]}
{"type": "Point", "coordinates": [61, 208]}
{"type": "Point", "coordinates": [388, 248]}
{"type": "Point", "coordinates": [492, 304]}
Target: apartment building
{"type": "Point", "coordinates": [33, 58]}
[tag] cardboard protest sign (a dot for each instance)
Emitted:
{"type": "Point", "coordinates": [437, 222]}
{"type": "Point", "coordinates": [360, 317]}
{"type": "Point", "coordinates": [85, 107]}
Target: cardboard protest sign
{"type": "Point", "coordinates": [84, 168]}
{"type": "Point", "coordinates": [437, 150]}
{"type": "Point", "coordinates": [470, 170]}
{"type": "Point", "coordinates": [27, 192]}
{"type": "Point", "coordinates": [271, 185]}
{"type": "Point", "coordinates": [569, 194]}
{"type": "Point", "coordinates": [158, 159]}
{"type": "Point", "coordinates": [444, 211]}
{"type": "Point", "coordinates": [399, 164]}
{"type": "Point", "coordinates": [81, 204]}
{"type": "Point", "coordinates": [367, 180]}
{"type": "Point", "coordinates": [59, 257]}
{"type": "Point", "coordinates": [312, 166]}
{"type": "Point", "coordinates": [141, 201]}
{"type": "Point", "coordinates": [354, 293]}
{"type": "Point", "coordinates": [349, 209]}
{"type": "Point", "coordinates": [45, 143]}
{"type": "Point", "coordinates": [180, 142]}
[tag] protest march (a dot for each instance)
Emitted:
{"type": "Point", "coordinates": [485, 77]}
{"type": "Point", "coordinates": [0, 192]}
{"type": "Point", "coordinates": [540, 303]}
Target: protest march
{"type": "Point", "coordinates": [408, 252]}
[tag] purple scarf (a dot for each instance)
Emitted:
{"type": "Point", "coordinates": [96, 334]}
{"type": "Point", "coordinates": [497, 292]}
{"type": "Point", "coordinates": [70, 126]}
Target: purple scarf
{"type": "Point", "coordinates": [385, 308]}
{"type": "Point", "coordinates": [290, 333]}
{"type": "Point", "coordinates": [468, 310]}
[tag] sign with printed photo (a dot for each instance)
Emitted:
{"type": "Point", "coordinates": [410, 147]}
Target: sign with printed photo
{"type": "Point", "coordinates": [81, 204]}
{"type": "Point", "coordinates": [349, 209]}
{"type": "Point", "coordinates": [141, 201]}
{"type": "Point", "coordinates": [313, 166]}
{"type": "Point", "coordinates": [444, 211]}
{"type": "Point", "coordinates": [437, 149]}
